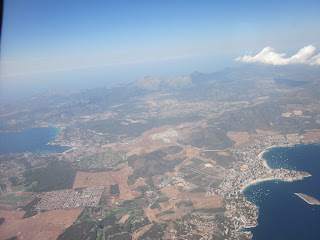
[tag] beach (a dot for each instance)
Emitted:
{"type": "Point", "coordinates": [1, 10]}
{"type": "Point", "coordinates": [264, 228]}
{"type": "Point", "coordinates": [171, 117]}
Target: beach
{"type": "Point", "coordinates": [264, 164]}
{"type": "Point", "coordinates": [264, 161]}
{"type": "Point", "coordinates": [257, 181]}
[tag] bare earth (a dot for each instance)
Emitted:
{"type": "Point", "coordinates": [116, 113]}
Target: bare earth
{"type": "Point", "coordinates": [239, 137]}
{"type": "Point", "coordinates": [313, 134]}
{"type": "Point", "coordinates": [86, 179]}
{"type": "Point", "coordinates": [208, 202]}
{"type": "Point", "coordinates": [46, 225]}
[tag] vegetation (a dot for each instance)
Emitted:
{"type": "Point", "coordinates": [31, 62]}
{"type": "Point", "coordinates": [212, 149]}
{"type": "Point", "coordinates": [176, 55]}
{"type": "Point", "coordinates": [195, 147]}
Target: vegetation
{"type": "Point", "coordinates": [30, 208]}
{"type": "Point", "coordinates": [208, 137]}
{"type": "Point", "coordinates": [114, 189]}
{"type": "Point", "coordinates": [196, 161]}
{"type": "Point", "coordinates": [155, 205]}
{"type": "Point", "coordinates": [77, 231]}
{"type": "Point", "coordinates": [109, 227]}
{"type": "Point", "coordinates": [165, 213]}
{"type": "Point", "coordinates": [13, 199]}
{"type": "Point", "coordinates": [154, 163]}
{"type": "Point", "coordinates": [120, 127]}
{"type": "Point", "coordinates": [127, 202]}
{"type": "Point", "coordinates": [55, 176]}
{"type": "Point", "coordinates": [221, 160]}
{"type": "Point", "coordinates": [101, 161]}
{"type": "Point", "coordinates": [155, 232]}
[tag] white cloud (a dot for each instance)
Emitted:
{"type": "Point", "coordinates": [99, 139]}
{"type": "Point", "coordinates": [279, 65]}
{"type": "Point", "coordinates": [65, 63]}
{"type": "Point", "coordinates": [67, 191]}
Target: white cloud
{"type": "Point", "coordinates": [269, 56]}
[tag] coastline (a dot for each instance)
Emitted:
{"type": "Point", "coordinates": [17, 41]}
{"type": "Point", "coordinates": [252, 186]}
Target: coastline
{"type": "Point", "coordinates": [265, 164]}
{"type": "Point", "coordinates": [257, 181]}
{"type": "Point", "coordinates": [264, 161]}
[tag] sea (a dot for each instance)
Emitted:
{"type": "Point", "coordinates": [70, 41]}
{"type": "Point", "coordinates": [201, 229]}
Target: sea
{"type": "Point", "coordinates": [33, 140]}
{"type": "Point", "coordinates": [282, 214]}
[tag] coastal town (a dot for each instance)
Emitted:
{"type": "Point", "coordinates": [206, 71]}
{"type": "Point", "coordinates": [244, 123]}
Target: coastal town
{"type": "Point", "coordinates": [252, 169]}
{"type": "Point", "coordinates": [249, 168]}
{"type": "Point", "coordinates": [167, 164]}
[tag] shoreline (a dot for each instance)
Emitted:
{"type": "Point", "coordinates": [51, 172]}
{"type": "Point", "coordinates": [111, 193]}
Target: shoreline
{"type": "Point", "coordinates": [253, 182]}
{"type": "Point", "coordinates": [264, 161]}
{"type": "Point", "coordinates": [265, 164]}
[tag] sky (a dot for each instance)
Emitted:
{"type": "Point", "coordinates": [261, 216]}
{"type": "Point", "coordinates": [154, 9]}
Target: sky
{"type": "Point", "coordinates": [76, 44]}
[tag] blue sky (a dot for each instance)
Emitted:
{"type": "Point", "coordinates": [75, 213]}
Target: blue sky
{"type": "Point", "coordinates": [84, 44]}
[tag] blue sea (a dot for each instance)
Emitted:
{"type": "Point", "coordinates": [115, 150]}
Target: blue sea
{"type": "Point", "coordinates": [33, 140]}
{"type": "Point", "coordinates": [282, 214]}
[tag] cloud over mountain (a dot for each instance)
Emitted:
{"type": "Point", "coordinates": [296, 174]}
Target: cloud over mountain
{"type": "Point", "coordinates": [269, 56]}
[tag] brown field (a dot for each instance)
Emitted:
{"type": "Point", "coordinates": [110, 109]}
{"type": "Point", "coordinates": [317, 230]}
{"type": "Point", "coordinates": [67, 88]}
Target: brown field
{"type": "Point", "coordinates": [313, 134]}
{"type": "Point", "coordinates": [265, 133]}
{"type": "Point", "coordinates": [198, 200]}
{"type": "Point", "coordinates": [133, 151]}
{"type": "Point", "coordinates": [86, 179]}
{"type": "Point", "coordinates": [208, 202]}
{"type": "Point", "coordinates": [141, 231]}
{"type": "Point", "coordinates": [188, 163]}
{"type": "Point", "coordinates": [176, 197]}
{"type": "Point", "coordinates": [171, 174]}
{"type": "Point", "coordinates": [171, 192]}
{"type": "Point", "coordinates": [151, 214]}
{"type": "Point", "coordinates": [46, 225]}
{"type": "Point", "coordinates": [191, 153]}
{"type": "Point", "coordinates": [239, 137]}
{"type": "Point", "coordinates": [7, 207]}
{"type": "Point", "coordinates": [170, 206]}
{"type": "Point", "coordinates": [124, 219]}
{"type": "Point", "coordinates": [190, 195]}
{"type": "Point", "coordinates": [146, 144]}
{"type": "Point", "coordinates": [223, 153]}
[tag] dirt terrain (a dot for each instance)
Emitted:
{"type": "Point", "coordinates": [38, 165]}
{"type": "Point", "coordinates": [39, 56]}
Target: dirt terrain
{"type": "Point", "coordinates": [239, 137]}
{"type": "Point", "coordinates": [208, 202]}
{"type": "Point", "coordinates": [46, 225]}
{"type": "Point", "coordinates": [87, 179]}
{"type": "Point", "coordinates": [313, 134]}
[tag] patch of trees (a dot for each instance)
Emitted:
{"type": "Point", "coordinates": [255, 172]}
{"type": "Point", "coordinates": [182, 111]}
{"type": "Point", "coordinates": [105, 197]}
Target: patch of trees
{"type": "Point", "coordinates": [55, 176]}
{"type": "Point", "coordinates": [114, 189]}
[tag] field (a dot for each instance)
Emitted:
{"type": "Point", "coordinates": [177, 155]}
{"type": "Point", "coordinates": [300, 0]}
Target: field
{"type": "Point", "coordinates": [208, 202]}
{"type": "Point", "coordinates": [313, 134]}
{"type": "Point", "coordinates": [239, 137]}
{"type": "Point", "coordinates": [46, 225]}
{"type": "Point", "coordinates": [202, 174]}
{"type": "Point", "coordinates": [86, 179]}
{"type": "Point", "coordinates": [15, 199]}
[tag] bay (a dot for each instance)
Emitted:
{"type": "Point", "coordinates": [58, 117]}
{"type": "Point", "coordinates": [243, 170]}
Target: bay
{"type": "Point", "coordinates": [282, 214]}
{"type": "Point", "coordinates": [33, 140]}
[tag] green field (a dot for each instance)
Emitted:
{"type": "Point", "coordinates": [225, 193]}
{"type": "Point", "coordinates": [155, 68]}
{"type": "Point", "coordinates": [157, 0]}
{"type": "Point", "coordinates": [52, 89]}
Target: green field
{"type": "Point", "coordinates": [12, 199]}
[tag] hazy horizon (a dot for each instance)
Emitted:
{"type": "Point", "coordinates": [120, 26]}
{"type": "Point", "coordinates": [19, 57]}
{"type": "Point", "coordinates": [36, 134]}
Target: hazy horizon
{"type": "Point", "coordinates": [74, 45]}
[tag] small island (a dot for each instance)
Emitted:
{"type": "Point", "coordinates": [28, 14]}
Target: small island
{"type": "Point", "coordinates": [308, 199]}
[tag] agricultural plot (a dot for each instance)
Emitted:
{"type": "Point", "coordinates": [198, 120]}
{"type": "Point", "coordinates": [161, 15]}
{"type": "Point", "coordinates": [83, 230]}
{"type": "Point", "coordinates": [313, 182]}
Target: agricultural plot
{"type": "Point", "coordinates": [202, 174]}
